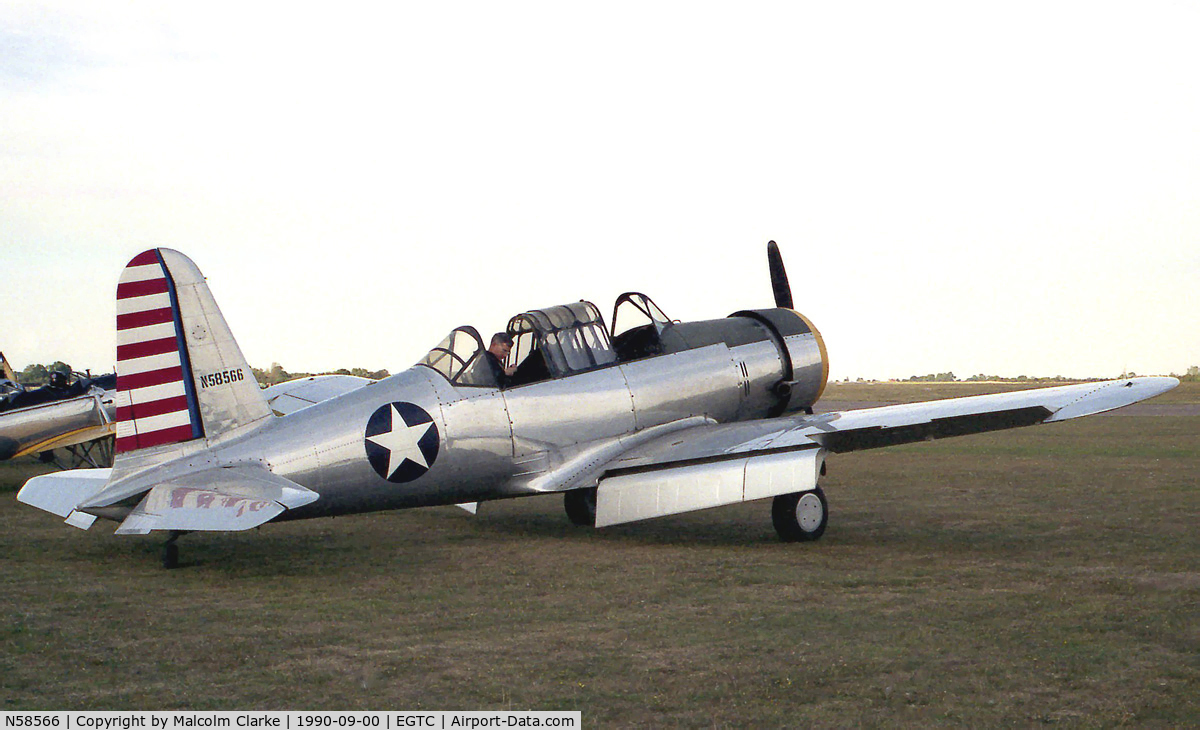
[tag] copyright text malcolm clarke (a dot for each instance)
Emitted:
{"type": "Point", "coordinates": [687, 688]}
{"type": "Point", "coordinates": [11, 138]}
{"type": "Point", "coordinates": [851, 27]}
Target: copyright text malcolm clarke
{"type": "Point", "coordinates": [154, 720]}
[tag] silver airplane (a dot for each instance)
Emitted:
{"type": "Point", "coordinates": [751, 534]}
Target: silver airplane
{"type": "Point", "coordinates": [650, 417]}
{"type": "Point", "coordinates": [68, 422]}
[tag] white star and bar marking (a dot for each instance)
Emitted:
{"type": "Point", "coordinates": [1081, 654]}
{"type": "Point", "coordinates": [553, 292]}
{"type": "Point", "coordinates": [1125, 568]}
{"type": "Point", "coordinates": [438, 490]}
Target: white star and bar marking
{"type": "Point", "coordinates": [401, 442]}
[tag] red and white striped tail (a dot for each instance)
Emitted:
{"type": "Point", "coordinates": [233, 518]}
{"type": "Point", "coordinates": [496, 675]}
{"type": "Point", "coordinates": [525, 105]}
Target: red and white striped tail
{"type": "Point", "coordinates": [156, 395]}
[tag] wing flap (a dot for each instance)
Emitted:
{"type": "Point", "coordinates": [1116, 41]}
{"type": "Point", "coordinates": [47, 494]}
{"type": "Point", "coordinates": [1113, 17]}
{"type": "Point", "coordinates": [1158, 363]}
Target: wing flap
{"type": "Point", "coordinates": [656, 492]}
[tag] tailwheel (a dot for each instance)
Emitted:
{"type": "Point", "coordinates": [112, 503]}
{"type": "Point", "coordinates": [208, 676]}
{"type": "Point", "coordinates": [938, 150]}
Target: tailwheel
{"type": "Point", "coordinates": [170, 551]}
{"type": "Point", "coordinates": [801, 516]}
{"type": "Point", "coordinates": [581, 506]}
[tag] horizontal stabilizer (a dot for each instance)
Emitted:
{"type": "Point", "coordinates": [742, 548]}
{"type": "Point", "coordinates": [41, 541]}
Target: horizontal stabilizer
{"type": "Point", "coordinates": [656, 492]}
{"type": "Point", "coordinates": [248, 480]}
{"type": "Point", "coordinates": [186, 509]}
{"type": "Point", "coordinates": [217, 498]}
{"type": "Point", "coordinates": [61, 493]}
{"type": "Point", "coordinates": [228, 498]}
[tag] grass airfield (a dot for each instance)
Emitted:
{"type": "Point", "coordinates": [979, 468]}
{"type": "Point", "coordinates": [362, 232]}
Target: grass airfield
{"type": "Point", "coordinates": [1042, 575]}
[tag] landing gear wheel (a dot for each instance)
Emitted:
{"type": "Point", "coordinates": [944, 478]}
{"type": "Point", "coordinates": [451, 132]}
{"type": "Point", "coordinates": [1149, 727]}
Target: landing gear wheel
{"type": "Point", "coordinates": [170, 552]}
{"type": "Point", "coordinates": [581, 506]}
{"type": "Point", "coordinates": [800, 517]}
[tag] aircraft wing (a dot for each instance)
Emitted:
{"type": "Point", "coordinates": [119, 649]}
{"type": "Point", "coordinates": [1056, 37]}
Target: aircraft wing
{"type": "Point", "coordinates": [714, 464]}
{"type": "Point", "coordinates": [294, 395]}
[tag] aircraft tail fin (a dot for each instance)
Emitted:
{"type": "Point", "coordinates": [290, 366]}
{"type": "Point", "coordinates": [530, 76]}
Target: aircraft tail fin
{"type": "Point", "coordinates": [180, 374]}
{"type": "Point", "coordinates": [6, 370]}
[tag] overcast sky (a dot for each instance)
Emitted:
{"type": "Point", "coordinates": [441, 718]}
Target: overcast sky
{"type": "Point", "coordinates": [1009, 188]}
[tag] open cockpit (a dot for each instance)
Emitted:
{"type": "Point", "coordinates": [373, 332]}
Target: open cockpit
{"type": "Point", "coordinates": [554, 342]}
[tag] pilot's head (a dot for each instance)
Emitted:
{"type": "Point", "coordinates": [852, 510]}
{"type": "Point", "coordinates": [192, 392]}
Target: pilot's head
{"type": "Point", "coordinates": [501, 345]}
{"type": "Point", "coordinates": [58, 379]}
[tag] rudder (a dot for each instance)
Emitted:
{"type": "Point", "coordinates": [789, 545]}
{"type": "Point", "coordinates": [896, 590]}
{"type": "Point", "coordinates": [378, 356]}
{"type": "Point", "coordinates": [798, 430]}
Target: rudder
{"type": "Point", "coordinates": [180, 374]}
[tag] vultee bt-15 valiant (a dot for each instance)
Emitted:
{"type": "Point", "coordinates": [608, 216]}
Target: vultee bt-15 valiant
{"type": "Point", "coordinates": [637, 419]}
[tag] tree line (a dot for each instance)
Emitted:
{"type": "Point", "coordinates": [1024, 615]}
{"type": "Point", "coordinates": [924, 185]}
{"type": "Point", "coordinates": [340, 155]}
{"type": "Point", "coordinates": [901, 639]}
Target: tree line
{"type": "Point", "coordinates": [276, 374]}
{"type": "Point", "coordinates": [1191, 376]}
{"type": "Point", "coordinates": [37, 374]}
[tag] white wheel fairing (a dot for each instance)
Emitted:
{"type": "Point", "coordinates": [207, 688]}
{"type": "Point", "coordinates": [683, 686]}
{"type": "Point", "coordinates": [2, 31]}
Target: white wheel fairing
{"type": "Point", "coordinates": [809, 512]}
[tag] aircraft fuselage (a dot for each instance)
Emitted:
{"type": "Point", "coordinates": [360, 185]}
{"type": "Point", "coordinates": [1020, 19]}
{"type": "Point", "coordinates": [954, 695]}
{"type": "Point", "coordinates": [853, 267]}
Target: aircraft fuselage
{"type": "Point", "coordinates": [485, 443]}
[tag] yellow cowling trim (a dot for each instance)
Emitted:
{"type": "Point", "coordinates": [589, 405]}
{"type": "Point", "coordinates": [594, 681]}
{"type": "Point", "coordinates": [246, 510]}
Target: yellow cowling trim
{"type": "Point", "coordinates": [824, 353]}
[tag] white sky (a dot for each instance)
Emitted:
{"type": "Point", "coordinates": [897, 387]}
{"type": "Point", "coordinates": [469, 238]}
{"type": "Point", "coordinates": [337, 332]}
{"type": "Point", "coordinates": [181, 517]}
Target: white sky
{"type": "Point", "coordinates": [1009, 188]}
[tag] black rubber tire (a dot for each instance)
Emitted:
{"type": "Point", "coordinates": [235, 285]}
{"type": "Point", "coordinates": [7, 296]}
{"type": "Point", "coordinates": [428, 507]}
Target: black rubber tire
{"type": "Point", "coordinates": [581, 506]}
{"type": "Point", "coordinates": [170, 556]}
{"type": "Point", "coordinates": [785, 514]}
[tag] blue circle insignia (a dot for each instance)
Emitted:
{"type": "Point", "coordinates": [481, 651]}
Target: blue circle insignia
{"type": "Point", "coordinates": [402, 441]}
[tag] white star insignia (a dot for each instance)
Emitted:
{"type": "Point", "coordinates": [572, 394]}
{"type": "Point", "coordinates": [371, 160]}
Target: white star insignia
{"type": "Point", "coordinates": [401, 442]}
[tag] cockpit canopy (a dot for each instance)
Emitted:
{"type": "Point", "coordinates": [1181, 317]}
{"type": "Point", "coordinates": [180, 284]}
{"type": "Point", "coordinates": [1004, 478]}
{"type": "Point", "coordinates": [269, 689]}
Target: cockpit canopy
{"type": "Point", "coordinates": [559, 341]}
{"type": "Point", "coordinates": [553, 343]}
{"type": "Point", "coordinates": [459, 358]}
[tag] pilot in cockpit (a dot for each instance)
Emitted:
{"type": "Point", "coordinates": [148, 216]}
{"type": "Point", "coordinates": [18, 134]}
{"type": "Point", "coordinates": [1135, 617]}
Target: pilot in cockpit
{"type": "Point", "coordinates": [496, 354]}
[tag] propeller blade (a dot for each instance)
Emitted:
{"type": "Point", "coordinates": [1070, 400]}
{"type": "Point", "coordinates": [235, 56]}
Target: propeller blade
{"type": "Point", "coordinates": [779, 280]}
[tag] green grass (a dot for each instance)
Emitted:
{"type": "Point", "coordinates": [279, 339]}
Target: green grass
{"type": "Point", "coordinates": [1044, 575]}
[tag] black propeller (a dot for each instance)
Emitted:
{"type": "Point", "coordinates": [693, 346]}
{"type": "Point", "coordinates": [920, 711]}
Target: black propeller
{"type": "Point", "coordinates": [779, 280]}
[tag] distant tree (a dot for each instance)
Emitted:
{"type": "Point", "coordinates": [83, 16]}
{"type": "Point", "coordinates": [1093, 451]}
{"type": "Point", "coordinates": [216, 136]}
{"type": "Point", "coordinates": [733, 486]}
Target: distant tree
{"type": "Point", "coordinates": [278, 374]}
{"type": "Point", "coordinates": [34, 374]}
{"type": "Point", "coordinates": [275, 375]}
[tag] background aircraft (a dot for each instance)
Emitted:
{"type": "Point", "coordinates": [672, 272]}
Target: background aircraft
{"type": "Point", "coordinates": [648, 417]}
{"type": "Point", "coordinates": [74, 413]}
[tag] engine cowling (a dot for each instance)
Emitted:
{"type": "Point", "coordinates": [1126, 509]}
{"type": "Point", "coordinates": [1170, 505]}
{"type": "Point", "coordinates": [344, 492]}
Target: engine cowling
{"type": "Point", "coordinates": [779, 355]}
{"type": "Point", "coordinates": [805, 369]}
